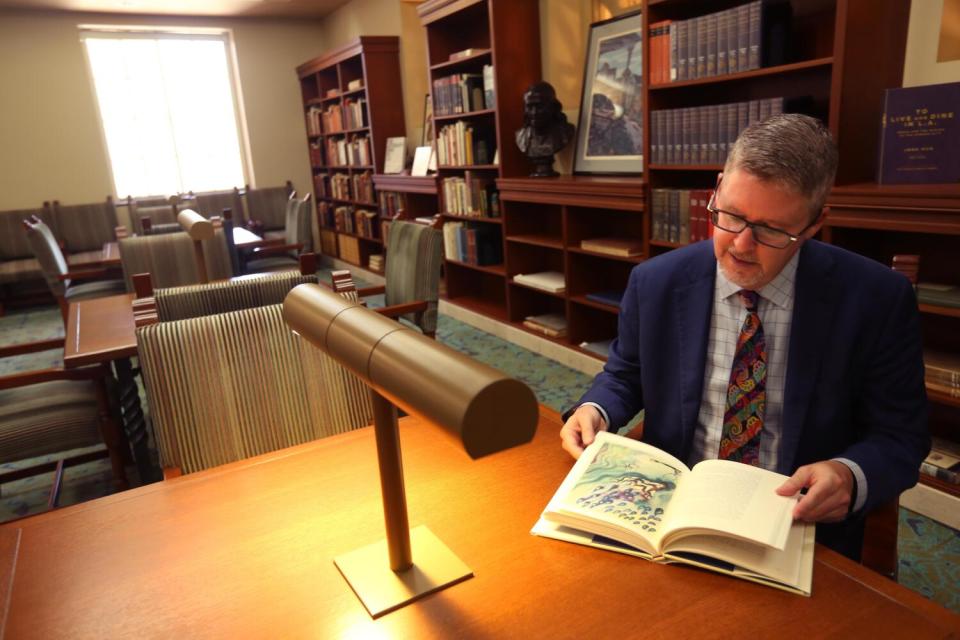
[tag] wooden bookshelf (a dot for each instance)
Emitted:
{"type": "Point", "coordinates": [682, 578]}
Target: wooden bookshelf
{"type": "Point", "coordinates": [504, 34]}
{"type": "Point", "coordinates": [544, 221]}
{"type": "Point", "coordinates": [325, 84]}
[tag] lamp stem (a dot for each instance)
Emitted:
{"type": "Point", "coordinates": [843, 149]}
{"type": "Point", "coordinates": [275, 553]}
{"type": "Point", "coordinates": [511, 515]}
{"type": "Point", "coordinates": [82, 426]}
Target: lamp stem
{"type": "Point", "coordinates": [387, 432]}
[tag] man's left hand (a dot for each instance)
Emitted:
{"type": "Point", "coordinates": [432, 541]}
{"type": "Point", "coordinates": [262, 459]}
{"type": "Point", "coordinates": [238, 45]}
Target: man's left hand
{"type": "Point", "coordinates": [829, 487]}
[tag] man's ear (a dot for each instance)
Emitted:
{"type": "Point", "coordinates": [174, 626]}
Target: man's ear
{"type": "Point", "coordinates": [815, 227]}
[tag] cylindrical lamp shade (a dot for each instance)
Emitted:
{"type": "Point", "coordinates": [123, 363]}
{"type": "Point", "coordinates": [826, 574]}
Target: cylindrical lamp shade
{"type": "Point", "coordinates": [198, 227]}
{"type": "Point", "coordinates": [488, 410]}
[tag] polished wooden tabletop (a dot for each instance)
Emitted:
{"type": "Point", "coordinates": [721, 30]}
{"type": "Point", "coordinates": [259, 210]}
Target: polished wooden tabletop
{"type": "Point", "coordinates": [244, 238]}
{"type": "Point", "coordinates": [100, 330]}
{"type": "Point", "coordinates": [246, 550]}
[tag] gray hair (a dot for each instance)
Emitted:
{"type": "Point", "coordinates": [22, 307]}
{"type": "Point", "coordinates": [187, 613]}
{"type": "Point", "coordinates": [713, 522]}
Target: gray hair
{"type": "Point", "coordinates": [789, 149]}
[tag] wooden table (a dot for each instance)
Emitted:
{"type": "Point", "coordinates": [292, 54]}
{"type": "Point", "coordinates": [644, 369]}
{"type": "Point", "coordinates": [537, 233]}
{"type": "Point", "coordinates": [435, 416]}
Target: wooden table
{"type": "Point", "coordinates": [102, 330]}
{"type": "Point", "coordinates": [246, 239]}
{"type": "Point", "coordinates": [246, 550]}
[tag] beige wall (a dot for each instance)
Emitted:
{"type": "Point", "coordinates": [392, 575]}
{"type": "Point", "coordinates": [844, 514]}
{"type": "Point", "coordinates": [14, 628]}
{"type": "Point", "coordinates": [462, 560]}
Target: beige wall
{"type": "Point", "coordinates": [389, 18]}
{"type": "Point", "coordinates": [52, 145]}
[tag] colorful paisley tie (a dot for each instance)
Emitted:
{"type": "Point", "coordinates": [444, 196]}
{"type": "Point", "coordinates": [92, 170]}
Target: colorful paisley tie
{"type": "Point", "coordinates": [746, 394]}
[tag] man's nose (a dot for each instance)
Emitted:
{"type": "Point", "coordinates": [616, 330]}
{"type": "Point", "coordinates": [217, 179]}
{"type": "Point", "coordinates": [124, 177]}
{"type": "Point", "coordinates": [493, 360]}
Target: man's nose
{"type": "Point", "coordinates": [745, 241]}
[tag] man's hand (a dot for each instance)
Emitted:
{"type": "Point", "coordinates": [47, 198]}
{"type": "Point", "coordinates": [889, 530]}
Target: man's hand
{"type": "Point", "coordinates": [580, 429]}
{"type": "Point", "coordinates": [829, 489]}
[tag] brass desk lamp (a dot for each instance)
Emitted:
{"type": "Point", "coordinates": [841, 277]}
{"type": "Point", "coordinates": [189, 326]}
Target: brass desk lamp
{"type": "Point", "coordinates": [486, 410]}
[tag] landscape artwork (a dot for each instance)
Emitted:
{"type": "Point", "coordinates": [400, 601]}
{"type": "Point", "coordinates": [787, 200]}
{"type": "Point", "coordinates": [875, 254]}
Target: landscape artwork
{"type": "Point", "coordinates": [626, 485]}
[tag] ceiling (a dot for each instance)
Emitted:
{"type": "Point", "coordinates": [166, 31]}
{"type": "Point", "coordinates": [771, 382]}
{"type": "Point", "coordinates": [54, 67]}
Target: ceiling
{"type": "Point", "coordinates": [256, 8]}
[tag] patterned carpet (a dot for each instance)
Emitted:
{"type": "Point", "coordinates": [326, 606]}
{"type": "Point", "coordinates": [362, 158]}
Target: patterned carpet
{"type": "Point", "coordinates": [929, 553]}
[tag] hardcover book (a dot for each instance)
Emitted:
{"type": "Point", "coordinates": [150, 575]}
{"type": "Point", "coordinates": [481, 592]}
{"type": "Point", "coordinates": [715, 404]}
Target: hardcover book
{"type": "Point", "coordinates": [613, 246]}
{"type": "Point", "coordinates": [627, 496]}
{"type": "Point", "coordinates": [920, 135]}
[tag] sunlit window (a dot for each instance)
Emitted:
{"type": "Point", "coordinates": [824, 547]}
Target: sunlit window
{"type": "Point", "coordinates": [168, 111]}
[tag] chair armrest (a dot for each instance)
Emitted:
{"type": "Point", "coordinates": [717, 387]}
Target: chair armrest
{"type": "Point", "coordinates": [31, 347]}
{"type": "Point", "coordinates": [85, 274]}
{"type": "Point", "coordinates": [371, 291]}
{"type": "Point", "coordinates": [28, 378]}
{"type": "Point", "coordinates": [275, 249]}
{"type": "Point", "coordinates": [401, 309]}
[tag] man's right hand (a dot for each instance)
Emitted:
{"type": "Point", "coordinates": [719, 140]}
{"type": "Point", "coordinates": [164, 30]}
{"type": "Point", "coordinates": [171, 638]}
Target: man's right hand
{"type": "Point", "coordinates": [580, 429]}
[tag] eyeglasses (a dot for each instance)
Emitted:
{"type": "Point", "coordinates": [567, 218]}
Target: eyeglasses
{"type": "Point", "coordinates": [768, 236]}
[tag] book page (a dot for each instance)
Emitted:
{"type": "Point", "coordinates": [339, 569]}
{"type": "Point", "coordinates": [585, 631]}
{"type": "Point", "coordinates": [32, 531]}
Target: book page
{"type": "Point", "coordinates": [619, 488]}
{"type": "Point", "coordinates": [786, 566]}
{"type": "Point", "coordinates": [732, 499]}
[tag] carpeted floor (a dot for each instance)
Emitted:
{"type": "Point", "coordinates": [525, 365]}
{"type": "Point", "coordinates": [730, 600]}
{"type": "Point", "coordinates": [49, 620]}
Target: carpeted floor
{"type": "Point", "coordinates": [929, 553]}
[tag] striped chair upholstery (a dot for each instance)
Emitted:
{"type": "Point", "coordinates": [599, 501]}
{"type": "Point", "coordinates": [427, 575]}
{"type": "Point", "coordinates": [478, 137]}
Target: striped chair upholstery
{"type": "Point", "coordinates": [47, 418]}
{"type": "Point", "coordinates": [17, 262]}
{"type": "Point", "coordinates": [159, 215]}
{"type": "Point", "coordinates": [297, 231]}
{"type": "Point", "coordinates": [226, 387]}
{"type": "Point", "coordinates": [268, 205]}
{"type": "Point", "coordinates": [85, 227]}
{"type": "Point", "coordinates": [212, 203]}
{"type": "Point", "coordinates": [169, 259]}
{"type": "Point", "coordinates": [414, 256]}
{"type": "Point", "coordinates": [180, 303]}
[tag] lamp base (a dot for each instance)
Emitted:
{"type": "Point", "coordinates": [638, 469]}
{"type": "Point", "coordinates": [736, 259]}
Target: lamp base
{"type": "Point", "coordinates": [382, 590]}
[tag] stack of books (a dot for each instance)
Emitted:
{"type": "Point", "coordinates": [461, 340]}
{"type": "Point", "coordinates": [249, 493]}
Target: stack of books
{"type": "Point", "coordinates": [611, 298]}
{"type": "Point", "coordinates": [943, 462]}
{"type": "Point", "coordinates": [375, 262]}
{"type": "Point", "coordinates": [553, 325]}
{"type": "Point", "coordinates": [551, 281]}
{"type": "Point", "coordinates": [613, 246]}
{"type": "Point", "coordinates": [942, 372]}
{"type": "Point", "coordinates": [943, 295]}
{"type": "Point", "coordinates": [598, 347]}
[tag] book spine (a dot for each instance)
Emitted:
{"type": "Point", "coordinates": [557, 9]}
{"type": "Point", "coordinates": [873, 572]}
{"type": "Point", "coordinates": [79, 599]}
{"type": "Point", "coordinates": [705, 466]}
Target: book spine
{"type": "Point", "coordinates": [743, 36]}
{"type": "Point", "coordinates": [713, 133]}
{"type": "Point", "coordinates": [722, 42]}
{"type": "Point", "coordinates": [686, 136]}
{"type": "Point", "coordinates": [701, 46]}
{"type": "Point", "coordinates": [711, 44]}
{"type": "Point", "coordinates": [683, 202]}
{"type": "Point", "coordinates": [673, 219]}
{"type": "Point", "coordinates": [753, 53]}
{"type": "Point", "coordinates": [674, 58]}
{"type": "Point", "coordinates": [682, 50]}
{"type": "Point", "coordinates": [693, 26]}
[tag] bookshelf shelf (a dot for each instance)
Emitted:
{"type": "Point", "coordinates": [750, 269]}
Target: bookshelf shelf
{"type": "Point", "coordinates": [406, 184]}
{"type": "Point", "coordinates": [495, 269]}
{"type": "Point", "coordinates": [940, 485]}
{"type": "Point", "coordinates": [374, 60]}
{"type": "Point", "coordinates": [938, 310]}
{"type": "Point", "coordinates": [935, 395]}
{"type": "Point", "coordinates": [554, 294]}
{"type": "Point", "coordinates": [686, 167]}
{"type": "Point", "coordinates": [537, 240]}
{"type": "Point", "coordinates": [482, 55]}
{"type": "Point", "coordinates": [632, 259]}
{"type": "Point", "coordinates": [469, 114]}
{"type": "Point", "coordinates": [479, 305]}
{"type": "Point", "coordinates": [482, 219]}
{"type": "Point", "coordinates": [472, 167]}
{"type": "Point", "coordinates": [668, 245]}
{"type": "Point", "coordinates": [596, 305]}
{"type": "Point", "coordinates": [779, 70]}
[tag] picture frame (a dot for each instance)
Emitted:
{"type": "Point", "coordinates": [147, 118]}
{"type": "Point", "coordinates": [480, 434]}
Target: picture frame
{"type": "Point", "coordinates": [922, 63]}
{"type": "Point", "coordinates": [610, 125]}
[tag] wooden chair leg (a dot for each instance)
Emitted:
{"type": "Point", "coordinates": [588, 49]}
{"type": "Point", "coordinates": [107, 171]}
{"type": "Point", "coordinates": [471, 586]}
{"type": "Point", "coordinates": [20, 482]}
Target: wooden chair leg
{"type": "Point", "coordinates": [112, 437]}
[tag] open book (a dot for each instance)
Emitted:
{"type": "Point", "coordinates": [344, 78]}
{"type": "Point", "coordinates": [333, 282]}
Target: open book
{"type": "Point", "coordinates": [627, 496]}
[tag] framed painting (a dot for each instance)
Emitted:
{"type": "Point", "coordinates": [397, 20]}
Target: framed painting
{"type": "Point", "coordinates": [610, 131]}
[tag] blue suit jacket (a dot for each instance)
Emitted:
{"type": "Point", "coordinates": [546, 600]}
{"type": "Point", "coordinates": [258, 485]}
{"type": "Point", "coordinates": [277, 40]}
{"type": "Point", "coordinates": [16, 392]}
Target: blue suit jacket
{"type": "Point", "coordinates": [854, 385]}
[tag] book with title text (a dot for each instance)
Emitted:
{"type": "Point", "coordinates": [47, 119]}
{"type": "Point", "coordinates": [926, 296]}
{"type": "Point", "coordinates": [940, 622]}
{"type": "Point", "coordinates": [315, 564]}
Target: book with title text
{"type": "Point", "coordinates": [627, 496]}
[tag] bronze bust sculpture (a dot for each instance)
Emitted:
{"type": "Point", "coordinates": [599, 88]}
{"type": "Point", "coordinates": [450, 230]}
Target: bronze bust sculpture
{"type": "Point", "coordinates": [545, 128]}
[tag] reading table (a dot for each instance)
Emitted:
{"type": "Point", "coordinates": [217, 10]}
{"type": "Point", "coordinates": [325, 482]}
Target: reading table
{"type": "Point", "coordinates": [247, 550]}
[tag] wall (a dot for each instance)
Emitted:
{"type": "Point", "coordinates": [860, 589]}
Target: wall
{"type": "Point", "coordinates": [389, 18]}
{"type": "Point", "coordinates": [52, 145]}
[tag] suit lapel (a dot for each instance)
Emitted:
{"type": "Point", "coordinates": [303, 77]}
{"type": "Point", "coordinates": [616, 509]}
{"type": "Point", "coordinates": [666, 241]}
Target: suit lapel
{"type": "Point", "coordinates": [814, 307]}
{"type": "Point", "coordinates": [693, 303]}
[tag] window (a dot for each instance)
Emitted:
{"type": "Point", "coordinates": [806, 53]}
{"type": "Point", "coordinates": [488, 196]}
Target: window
{"type": "Point", "coordinates": [168, 111]}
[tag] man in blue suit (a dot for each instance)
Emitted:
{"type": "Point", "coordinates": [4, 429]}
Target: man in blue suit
{"type": "Point", "coordinates": [794, 355]}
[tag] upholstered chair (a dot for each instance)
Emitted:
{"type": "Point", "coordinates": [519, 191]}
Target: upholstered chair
{"type": "Point", "coordinates": [211, 203]}
{"type": "Point", "coordinates": [282, 254]}
{"type": "Point", "coordinates": [63, 283]}
{"type": "Point", "coordinates": [229, 386]}
{"type": "Point", "coordinates": [268, 206]}
{"type": "Point", "coordinates": [170, 259]}
{"type": "Point", "coordinates": [85, 228]}
{"type": "Point", "coordinates": [18, 265]}
{"type": "Point", "coordinates": [53, 410]}
{"type": "Point", "coordinates": [412, 275]}
{"type": "Point", "coordinates": [157, 210]}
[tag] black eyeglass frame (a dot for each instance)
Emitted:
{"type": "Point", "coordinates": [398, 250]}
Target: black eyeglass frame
{"type": "Point", "coordinates": [714, 219]}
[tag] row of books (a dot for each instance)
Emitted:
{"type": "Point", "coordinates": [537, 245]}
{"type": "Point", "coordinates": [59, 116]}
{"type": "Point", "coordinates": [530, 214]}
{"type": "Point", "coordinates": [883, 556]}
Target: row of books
{"type": "Point", "coordinates": [553, 325]}
{"type": "Point", "coordinates": [704, 134]}
{"type": "Point", "coordinates": [680, 215]}
{"type": "Point", "coordinates": [392, 203]}
{"type": "Point", "coordinates": [942, 372]}
{"type": "Point", "coordinates": [742, 38]}
{"type": "Point", "coordinates": [471, 196]}
{"type": "Point", "coordinates": [943, 462]}
{"type": "Point", "coordinates": [461, 144]}
{"type": "Point", "coordinates": [336, 118]}
{"type": "Point", "coordinates": [314, 127]}
{"type": "Point", "coordinates": [463, 92]}
{"type": "Point", "coordinates": [480, 245]}
{"type": "Point", "coordinates": [359, 222]}
{"type": "Point", "coordinates": [316, 154]}
{"type": "Point", "coordinates": [353, 152]}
